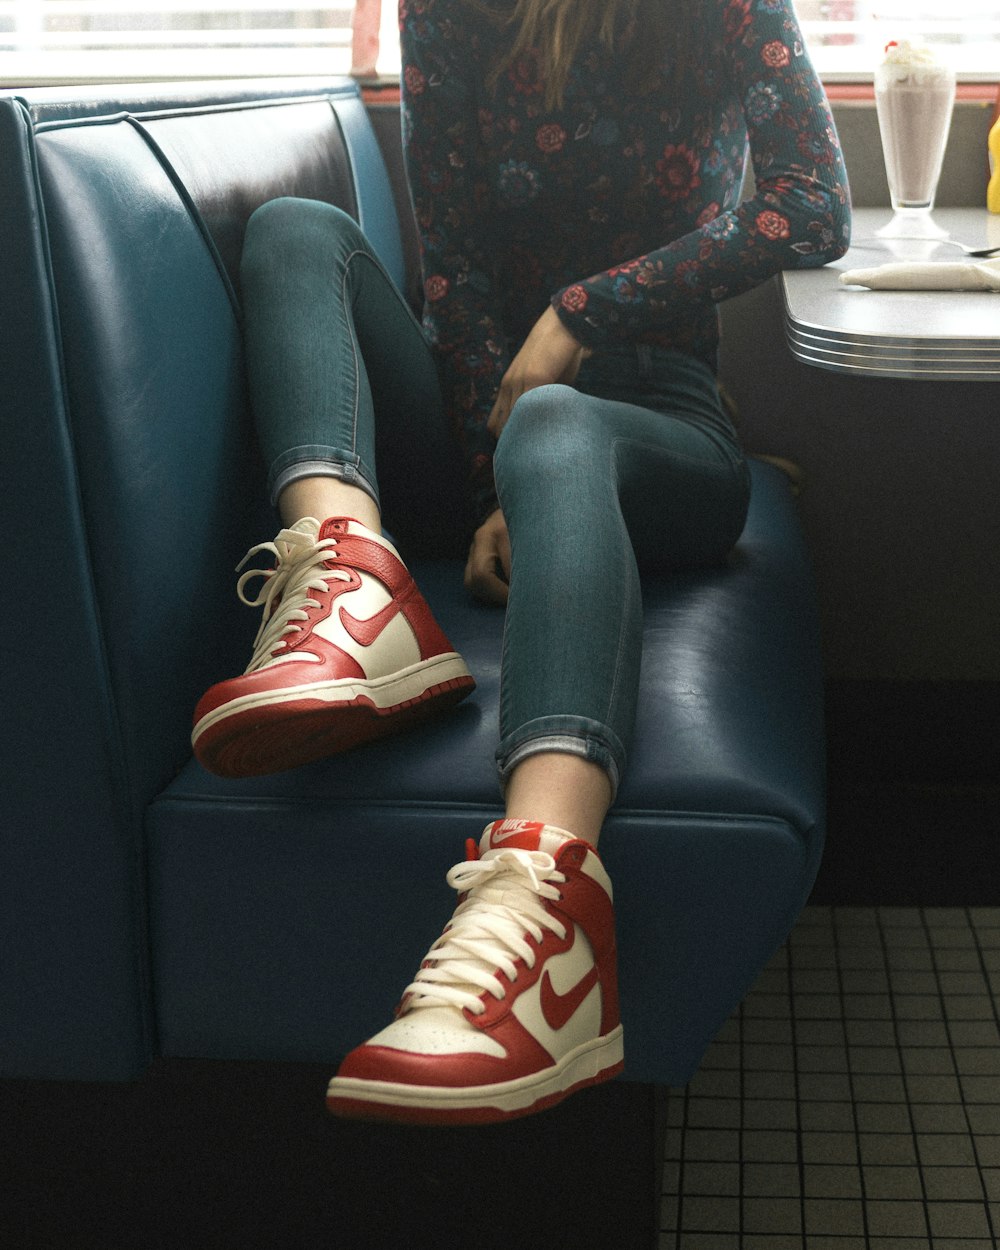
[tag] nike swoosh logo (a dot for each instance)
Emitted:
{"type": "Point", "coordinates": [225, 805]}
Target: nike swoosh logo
{"type": "Point", "coordinates": [367, 631]}
{"type": "Point", "coordinates": [497, 838]}
{"type": "Point", "coordinates": [559, 1009]}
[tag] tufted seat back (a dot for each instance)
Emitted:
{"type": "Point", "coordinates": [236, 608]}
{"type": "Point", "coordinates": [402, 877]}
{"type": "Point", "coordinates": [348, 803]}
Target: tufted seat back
{"type": "Point", "coordinates": [126, 436]}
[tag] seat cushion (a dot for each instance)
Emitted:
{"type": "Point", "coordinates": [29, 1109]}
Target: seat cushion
{"type": "Point", "coordinates": [289, 911]}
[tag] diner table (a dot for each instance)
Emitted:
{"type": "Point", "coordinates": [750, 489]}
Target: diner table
{"type": "Point", "coordinates": [939, 335]}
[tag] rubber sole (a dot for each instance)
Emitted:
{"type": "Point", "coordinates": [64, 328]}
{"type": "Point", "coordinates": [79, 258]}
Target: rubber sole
{"type": "Point", "coordinates": [590, 1064]}
{"type": "Point", "coordinates": [277, 730]}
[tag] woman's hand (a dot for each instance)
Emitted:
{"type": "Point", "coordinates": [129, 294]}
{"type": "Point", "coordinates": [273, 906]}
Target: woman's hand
{"type": "Point", "coordinates": [487, 570]}
{"type": "Point", "coordinates": [549, 354]}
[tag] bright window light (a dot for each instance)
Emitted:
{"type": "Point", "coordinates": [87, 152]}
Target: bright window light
{"type": "Point", "coordinates": [846, 37]}
{"type": "Point", "coordinates": [105, 40]}
{"type": "Point", "coordinates": [102, 40]}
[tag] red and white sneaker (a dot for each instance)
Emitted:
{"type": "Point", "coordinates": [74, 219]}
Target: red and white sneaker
{"type": "Point", "coordinates": [515, 1005]}
{"type": "Point", "coordinates": [347, 651]}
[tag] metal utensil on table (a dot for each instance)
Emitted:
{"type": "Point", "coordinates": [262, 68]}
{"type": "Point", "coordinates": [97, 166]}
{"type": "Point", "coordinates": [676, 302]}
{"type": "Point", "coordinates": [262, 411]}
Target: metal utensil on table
{"type": "Point", "coordinates": [980, 253]}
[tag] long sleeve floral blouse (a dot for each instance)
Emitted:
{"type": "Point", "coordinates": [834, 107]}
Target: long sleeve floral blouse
{"type": "Point", "coordinates": [621, 208]}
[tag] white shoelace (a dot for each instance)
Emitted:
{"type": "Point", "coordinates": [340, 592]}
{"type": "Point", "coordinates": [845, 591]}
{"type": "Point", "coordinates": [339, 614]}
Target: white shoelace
{"type": "Point", "coordinates": [488, 931]}
{"type": "Point", "coordinates": [286, 593]}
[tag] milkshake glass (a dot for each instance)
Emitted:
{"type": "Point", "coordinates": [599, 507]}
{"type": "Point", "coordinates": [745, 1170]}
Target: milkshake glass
{"type": "Point", "coordinates": [914, 96]}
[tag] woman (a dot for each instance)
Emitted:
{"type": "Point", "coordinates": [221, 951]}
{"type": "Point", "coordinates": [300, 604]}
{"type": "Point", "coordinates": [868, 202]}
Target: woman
{"type": "Point", "coordinates": [576, 172]}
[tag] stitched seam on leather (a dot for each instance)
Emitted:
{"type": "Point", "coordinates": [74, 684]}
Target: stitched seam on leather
{"type": "Point", "coordinates": [185, 197]}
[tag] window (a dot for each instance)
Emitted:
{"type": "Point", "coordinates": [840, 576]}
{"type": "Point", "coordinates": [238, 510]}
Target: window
{"type": "Point", "coordinates": [129, 40]}
{"type": "Point", "coordinates": [846, 37]}
{"type": "Point", "coordinates": [73, 40]}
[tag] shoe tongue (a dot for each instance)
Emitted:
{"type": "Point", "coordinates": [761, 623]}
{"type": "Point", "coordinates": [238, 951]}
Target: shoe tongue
{"type": "Point", "coordinates": [308, 525]}
{"type": "Point", "coordinates": [339, 526]}
{"type": "Point", "coordinates": [522, 835]}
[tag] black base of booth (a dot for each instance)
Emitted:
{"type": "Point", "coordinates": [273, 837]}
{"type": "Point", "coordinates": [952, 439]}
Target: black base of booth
{"type": "Point", "coordinates": [227, 1156]}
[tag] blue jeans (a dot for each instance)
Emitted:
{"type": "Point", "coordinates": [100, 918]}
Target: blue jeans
{"type": "Point", "coordinates": [635, 469]}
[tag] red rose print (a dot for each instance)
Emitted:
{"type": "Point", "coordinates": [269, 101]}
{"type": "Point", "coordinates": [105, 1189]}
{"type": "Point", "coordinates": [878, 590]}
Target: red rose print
{"type": "Point", "coordinates": [524, 75]}
{"type": "Point", "coordinates": [436, 287]}
{"type": "Point", "coordinates": [773, 225]}
{"type": "Point", "coordinates": [574, 299]}
{"type": "Point", "coordinates": [550, 137]}
{"type": "Point", "coordinates": [618, 270]}
{"type": "Point", "coordinates": [677, 172]}
{"type": "Point", "coordinates": [736, 19]}
{"type": "Point", "coordinates": [775, 54]}
{"type": "Point", "coordinates": [415, 81]}
{"type": "Point", "coordinates": [708, 213]}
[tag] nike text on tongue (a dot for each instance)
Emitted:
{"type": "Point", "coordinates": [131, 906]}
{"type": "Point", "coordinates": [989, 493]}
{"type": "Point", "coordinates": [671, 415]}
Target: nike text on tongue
{"type": "Point", "coordinates": [504, 830]}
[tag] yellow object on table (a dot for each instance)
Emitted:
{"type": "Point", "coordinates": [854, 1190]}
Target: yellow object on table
{"type": "Point", "coordinates": [993, 187]}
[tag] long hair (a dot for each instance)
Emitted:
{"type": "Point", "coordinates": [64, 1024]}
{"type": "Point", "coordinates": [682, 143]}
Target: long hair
{"type": "Point", "coordinates": [553, 31]}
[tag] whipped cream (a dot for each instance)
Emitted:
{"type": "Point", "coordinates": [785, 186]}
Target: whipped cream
{"type": "Point", "coordinates": [905, 58]}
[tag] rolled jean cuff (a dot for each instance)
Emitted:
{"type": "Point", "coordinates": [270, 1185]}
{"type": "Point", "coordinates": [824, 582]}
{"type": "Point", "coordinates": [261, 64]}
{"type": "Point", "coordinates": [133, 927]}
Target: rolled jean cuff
{"type": "Point", "coordinates": [566, 735]}
{"type": "Point", "coordinates": [317, 461]}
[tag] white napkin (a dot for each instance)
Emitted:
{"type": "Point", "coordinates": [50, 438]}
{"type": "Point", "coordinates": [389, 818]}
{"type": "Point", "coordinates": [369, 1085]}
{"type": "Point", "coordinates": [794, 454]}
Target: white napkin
{"type": "Point", "coordinates": [961, 275]}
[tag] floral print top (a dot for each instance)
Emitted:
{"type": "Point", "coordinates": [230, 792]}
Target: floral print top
{"type": "Point", "coordinates": [622, 207]}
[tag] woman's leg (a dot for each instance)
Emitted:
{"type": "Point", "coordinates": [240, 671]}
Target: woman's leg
{"type": "Point", "coordinates": [593, 489]}
{"type": "Point", "coordinates": [330, 343]}
{"type": "Point", "coordinates": [348, 649]}
{"type": "Point", "coordinates": [516, 1005]}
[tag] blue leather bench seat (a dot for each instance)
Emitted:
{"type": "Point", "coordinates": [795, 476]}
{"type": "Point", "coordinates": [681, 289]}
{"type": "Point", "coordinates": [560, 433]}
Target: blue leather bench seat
{"type": "Point", "coordinates": [150, 908]}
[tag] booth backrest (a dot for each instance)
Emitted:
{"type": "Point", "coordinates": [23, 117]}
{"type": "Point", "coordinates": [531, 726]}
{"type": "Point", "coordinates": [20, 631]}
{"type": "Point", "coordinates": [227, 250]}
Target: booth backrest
{"type": "Point", "coordinates": [130, 471]}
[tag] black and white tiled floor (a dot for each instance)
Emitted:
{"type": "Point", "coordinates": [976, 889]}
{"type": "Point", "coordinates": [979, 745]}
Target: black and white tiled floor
{"type": "Point", "coordinates": [853, 1101]}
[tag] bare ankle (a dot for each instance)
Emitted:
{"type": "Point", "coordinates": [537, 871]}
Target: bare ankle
{"type": "Point", "coordinates": [562, 790]}
{"type": "Point", "coordinates": [324, 497]}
